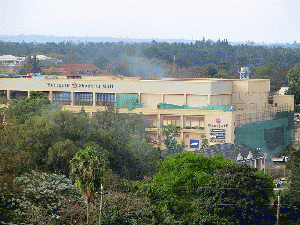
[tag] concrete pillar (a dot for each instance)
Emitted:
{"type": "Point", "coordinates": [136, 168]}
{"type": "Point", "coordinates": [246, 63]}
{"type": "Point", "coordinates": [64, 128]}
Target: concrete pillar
{"type": "Point", "coordinates": [50, 96]}
{"type": "Point", "coordinates": [72, 98]}
{"type": "Point", "coordinates": [8, 94]}
{"type": "Point", "coordinates": [94, 99]}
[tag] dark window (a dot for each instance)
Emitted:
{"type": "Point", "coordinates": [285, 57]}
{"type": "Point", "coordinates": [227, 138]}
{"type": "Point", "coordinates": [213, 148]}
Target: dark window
{"type": "Point", "coordinates": [62, 98]}
{"type": "Point", "coordinates": [105, 99]}
{"type": "Point", "coordinates": [83, 98]}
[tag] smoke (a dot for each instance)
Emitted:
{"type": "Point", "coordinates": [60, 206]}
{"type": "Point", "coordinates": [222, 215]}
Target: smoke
{"type": "Point", "coordinates": [146, 68]}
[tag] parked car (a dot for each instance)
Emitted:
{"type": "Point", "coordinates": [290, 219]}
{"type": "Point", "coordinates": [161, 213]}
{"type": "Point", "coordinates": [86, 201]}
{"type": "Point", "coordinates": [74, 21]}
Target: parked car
{"type": "Point", "coordinates": [296, 119]}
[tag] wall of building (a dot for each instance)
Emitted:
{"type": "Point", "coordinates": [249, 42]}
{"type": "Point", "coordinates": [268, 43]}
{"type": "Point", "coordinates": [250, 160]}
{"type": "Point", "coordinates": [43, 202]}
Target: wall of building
{"type": "Point", "coordinates": [143, 96]}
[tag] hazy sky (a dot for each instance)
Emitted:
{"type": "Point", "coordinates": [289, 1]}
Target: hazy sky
{"type": "Point", "coordinates": [266, 21]}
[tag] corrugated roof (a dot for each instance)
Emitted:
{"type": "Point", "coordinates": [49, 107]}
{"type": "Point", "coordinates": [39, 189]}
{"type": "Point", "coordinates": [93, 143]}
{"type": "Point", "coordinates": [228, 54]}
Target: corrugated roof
{"type": "Point", "coordinates": [229, 151]}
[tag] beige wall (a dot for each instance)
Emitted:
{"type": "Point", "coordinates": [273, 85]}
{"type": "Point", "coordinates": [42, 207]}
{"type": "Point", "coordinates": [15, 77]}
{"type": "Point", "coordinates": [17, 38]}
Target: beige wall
{"type": "Point", "coordinates": [197, 100]}
{"type": "Point", "coordinates": [175, 99]}
{"type": "Point", "coordinates": [285, 101]}
{"type": "Point", "coordinates": [151, 100]}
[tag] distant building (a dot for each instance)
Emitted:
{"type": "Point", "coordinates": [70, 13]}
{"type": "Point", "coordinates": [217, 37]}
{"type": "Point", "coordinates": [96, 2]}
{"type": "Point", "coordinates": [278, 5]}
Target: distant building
{"type": "Point", "coordinates": [282, 90]}
{"type": "Point", "coordinates": [11, 63]}
{"type": "Point", "coordinates": [77, 70]}
{"type": "Point", "coordinates": [236, 153]}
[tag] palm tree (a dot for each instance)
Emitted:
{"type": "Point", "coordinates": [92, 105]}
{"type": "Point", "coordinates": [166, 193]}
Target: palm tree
{"type": "Point", "coordinates": [87, 170]}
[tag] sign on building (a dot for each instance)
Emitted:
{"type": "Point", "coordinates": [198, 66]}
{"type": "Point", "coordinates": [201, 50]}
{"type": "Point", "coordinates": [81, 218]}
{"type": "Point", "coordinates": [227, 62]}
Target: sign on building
{"type": "Point", "coordinates": [194, 143]}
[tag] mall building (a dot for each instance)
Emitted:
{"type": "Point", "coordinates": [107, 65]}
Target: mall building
{"type": "Point", "coordinates": [220, 110]}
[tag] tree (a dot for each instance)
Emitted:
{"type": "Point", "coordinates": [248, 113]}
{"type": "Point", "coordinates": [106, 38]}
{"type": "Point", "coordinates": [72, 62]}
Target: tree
{"type": "Point", "coordinates": [87, 171]}
{"type": "Point", "coordinates": [204, 143]}
{"type": "Point", "coordinates": [294, 74]}
{"type": "Point", "coordinates": [41, 197]}
{"type": "Point", "coordinates": [172, 146]}
{"type": "Point", "coordinates": [31, 65]}
{"type": "Point", "coordinates": [294, 89]}
{"type": "Point", "coordinates": [145, 155]}
{"type": "Point", "coordinates": [176, 187]}
{"type": "Point", "coordinates": [241, 194]}
{"type": "Point", "coordinates": [24, 108]}
{"type": "Point", "coordinates": [294, 167]}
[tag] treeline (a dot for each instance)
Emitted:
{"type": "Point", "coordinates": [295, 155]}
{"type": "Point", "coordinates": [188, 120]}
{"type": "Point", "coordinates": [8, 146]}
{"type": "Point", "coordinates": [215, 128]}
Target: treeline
{"type": "Point", "coordinates": [203, 58]}
{"type": "Point", "coordinates": [48, 175]}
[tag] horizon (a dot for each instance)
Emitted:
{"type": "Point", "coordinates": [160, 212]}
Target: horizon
{"type": "Point", "coordinates": [258, 21]}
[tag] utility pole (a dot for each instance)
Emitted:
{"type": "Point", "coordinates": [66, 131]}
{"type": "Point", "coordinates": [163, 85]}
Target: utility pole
{"type": "Point", "coordinates": [101, 203]}
{"type": "Point", "coordinates": [278, 208]}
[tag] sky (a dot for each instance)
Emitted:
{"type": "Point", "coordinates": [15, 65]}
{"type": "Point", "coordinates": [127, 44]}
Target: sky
{"type": "Point", "coordinates": [259, 21]}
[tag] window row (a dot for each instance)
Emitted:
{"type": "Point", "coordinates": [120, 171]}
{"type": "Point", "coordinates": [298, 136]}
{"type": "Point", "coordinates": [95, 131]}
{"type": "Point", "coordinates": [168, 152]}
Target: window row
{"type": "Point", "coordinates": [84, 98]}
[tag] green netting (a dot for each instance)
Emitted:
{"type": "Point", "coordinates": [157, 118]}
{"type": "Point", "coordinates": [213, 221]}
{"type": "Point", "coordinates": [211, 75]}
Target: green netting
{"type": "Point", "coordinates": [211, 107]}
{"type": "Point", "coordinates": [270, 136]}
{"type": "Point", "coordinates": [129, 101]}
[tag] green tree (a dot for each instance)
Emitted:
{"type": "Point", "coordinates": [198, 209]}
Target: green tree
{"type": "Point", "coordinates": [87, 171]}
{"type": "Point", "coordinates": [41, 197]}
{"type": "Point", "coordinates": [294, 167]}
{"type": "Point", "coordinates": [146, 156]}
{"type": "Point", "coordinates": [25, 108]}
{"type": "Point", "coordinates": [294, 89]}
{"type": "Point", "coordinates": [31, 65]}
{"type": "Point", "coordinates": [294, 74]}
{"type": "Point", "coordinates": [176, 188]}
{"type": "Point", "coordinates": [172, 146]}
{"type": "Point", "coordinates": [204, 143]}
{"type": "Point", "coordinates": [241, 194]}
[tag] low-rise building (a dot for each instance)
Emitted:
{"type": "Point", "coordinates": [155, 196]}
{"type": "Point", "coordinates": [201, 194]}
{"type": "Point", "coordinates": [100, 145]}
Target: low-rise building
{"type": "Point", "coordinates": [220, 110]}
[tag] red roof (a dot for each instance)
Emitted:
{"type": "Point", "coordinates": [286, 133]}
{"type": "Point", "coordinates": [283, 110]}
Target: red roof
{"type": "Point", "coordinates": [78, 69]}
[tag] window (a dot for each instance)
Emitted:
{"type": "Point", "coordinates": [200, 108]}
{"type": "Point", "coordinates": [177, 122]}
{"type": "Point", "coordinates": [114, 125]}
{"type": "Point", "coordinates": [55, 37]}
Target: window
{"type": "Point", "coordinates": [174, 120]}
{"type": "Point", "coordinates": [83, 98]}
{"type": "Point", "coordinates": [194, 122]}
{"type": "Point", "coordinates": [62, 98]}
{"type": "Point", "coordinates": [105, 99]}
{"type": "Point", "coordinates": [152, 120]}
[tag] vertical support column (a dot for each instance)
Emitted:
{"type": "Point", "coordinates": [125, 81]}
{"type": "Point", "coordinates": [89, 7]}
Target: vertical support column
{"type": "Point", "coordinates": [72, 98]}
{"type": "Point", "coordinates": [50, 96]}
{"type": "Point", "coordinates": [181, 125]}
{"type": "Point", "coordinates": [28, 94]}
{"type": "Point", "coordinates": [162, 98]}
{"type": "Point", "coordinates": [8, 94]}
{"type": "Point", "coordinates": [185, 101]}
{"type": "Point", "coordinates": [159, 128]}
{"type": "Point", "coordinates": [94, 99]}
{"type": "Point", "coordinates": [208, 99]}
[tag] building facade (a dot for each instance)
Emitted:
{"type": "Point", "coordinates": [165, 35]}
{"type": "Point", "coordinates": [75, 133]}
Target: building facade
{"type": "Point", "coordinates": [202, 108]}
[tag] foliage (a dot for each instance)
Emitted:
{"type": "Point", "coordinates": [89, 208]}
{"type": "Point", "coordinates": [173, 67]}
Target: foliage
{"type": "Point", "coordinates": [294, 167]}
{"type": "Point", "coordinates": [123, 148]}
{"type": "Point", "coordinates": [172, 146]}
{"type": "Point", "coordinates": [12, 157]}
{"type": "Point", "coordinates": [294, 89]}
{"type": "Point", "coordinates": [145, 156]}
{"type": "Point", "coordinates": [42, 196]}
{"type": "Point", "coordinates": [52, 138]}
{"type": "Point", "coordinates": [87, 171]}
{"type": "Point", "coordinates": [204, 143]}
{"type": "Point", "coordinates": [240, 194]}
{"type": "Point", "coordinates": [176, 184]}
{"type": "Point", "coordinates": [7, 204]}
{"type": "Point", "coordinates": [294, 74]}
{"type": "Point", "coordinates": [24, 108]}
{"type": "Point", "coordinates": [31, 65]}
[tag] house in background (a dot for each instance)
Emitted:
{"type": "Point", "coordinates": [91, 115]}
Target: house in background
{"type": "Point", "coordinates": [236, 153]}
